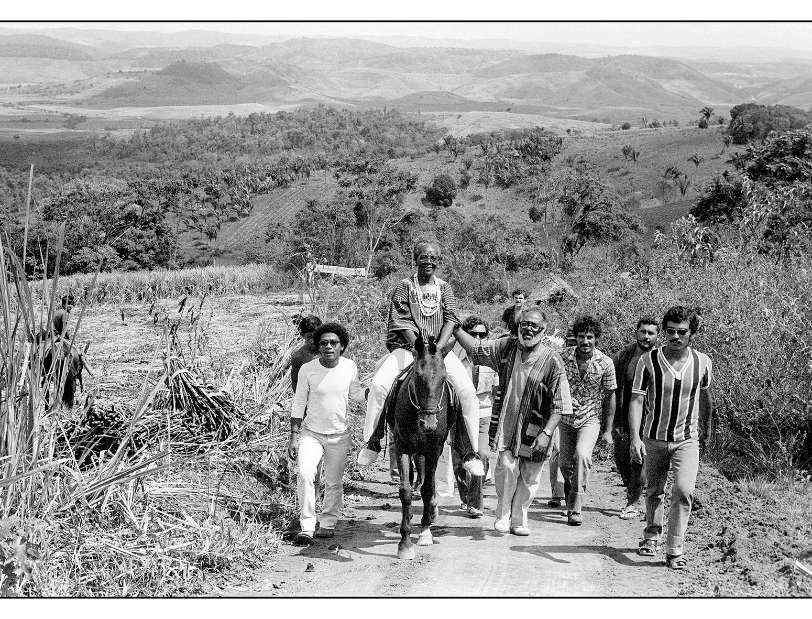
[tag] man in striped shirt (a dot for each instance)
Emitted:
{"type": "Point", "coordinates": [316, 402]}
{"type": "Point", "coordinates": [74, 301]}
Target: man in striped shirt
{"type": "Point", "coordinates": [673, 381]}
{"type": "Point", "coordinates": [421, 305]}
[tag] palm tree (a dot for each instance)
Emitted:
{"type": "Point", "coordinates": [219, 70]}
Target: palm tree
{"type": "Point", "coordinates": [706, 112]}
{"type": "Point", "coordinates": [696, 159]}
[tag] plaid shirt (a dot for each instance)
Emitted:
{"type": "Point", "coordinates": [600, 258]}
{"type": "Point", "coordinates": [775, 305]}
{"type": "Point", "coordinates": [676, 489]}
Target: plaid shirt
{"type": "Point", "coordinates": [587, 391]}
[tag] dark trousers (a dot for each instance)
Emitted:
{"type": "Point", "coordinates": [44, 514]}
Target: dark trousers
{"type": "Point", "coordinates": [633, 474]}
{"type": "Point", "coordinates": [469, 486]}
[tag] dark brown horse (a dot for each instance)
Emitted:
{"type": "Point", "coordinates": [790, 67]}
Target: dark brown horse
{"type": "Point", "coordinates": [420, 418]}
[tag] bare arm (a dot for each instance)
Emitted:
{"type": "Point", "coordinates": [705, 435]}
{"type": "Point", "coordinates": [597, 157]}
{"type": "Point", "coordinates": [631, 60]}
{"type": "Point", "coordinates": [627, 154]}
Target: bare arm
{"type": "Point", "coordinates": [466, 340]}
{"type": "Point", "coordinates": [445, 335]}
{"type": "Point", "coordinates": [706, 429]}
{"type": "Point", "coordinates": [609, 405]}
{"type": "Point", "coordinates": [636, 448]}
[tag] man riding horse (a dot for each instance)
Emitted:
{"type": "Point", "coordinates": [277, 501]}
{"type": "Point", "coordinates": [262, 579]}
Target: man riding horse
{"type": "Point", "coordinates": [422, 306]}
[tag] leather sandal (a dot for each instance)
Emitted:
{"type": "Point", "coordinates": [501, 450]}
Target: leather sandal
{"type": "Point", "coordinates": [647, 547]}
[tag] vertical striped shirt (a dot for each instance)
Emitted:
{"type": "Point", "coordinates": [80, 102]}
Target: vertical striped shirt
{"type": "Point", "coordinates": [405, 314]}
{"type": "Point", "coordinates": [672, 402]}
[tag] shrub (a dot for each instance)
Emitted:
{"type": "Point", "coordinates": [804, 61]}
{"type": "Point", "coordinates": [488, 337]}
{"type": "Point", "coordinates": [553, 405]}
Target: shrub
{"type": "Point", "coordinates": [442, 190]}
{"type": "Point", "coordinates": [626, 126]}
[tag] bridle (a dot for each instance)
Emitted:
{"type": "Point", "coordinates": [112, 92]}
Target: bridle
{"type": "Point", "coordinates": [426, 411]}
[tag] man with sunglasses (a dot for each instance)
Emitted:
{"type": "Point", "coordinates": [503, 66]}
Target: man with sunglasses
{"type": "Point", "coordinates": [673, 382]}
{"type": "Point", "coordinates": [485, 382]}
{"type": "Point", "coordinates": [535, 395]}
{"type": "Point", "coordinates": [633, 474]}
{"type": "Point", "coordinates": [421, 305]}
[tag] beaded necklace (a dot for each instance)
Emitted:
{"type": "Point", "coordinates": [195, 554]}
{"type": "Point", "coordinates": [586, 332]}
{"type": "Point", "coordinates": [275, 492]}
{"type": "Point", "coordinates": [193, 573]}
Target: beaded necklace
{"type": "Point", "coordinates": [427, 308]}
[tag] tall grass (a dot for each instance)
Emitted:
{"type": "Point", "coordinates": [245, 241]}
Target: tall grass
{"type": "Point", "coordinates": [130, 286]}
{"type": "Point", "coordinates": [756, 321]}
{"type": "Point", "coordinates": [154, 521]}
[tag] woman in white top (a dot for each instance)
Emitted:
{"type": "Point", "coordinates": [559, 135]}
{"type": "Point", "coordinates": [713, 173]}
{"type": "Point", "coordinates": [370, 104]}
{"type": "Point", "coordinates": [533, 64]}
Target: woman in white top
{"type": "Point", "coordinates": [324, 388]}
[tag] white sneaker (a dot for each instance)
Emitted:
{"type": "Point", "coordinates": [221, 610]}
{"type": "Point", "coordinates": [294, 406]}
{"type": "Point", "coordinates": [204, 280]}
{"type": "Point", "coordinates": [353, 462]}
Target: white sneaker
{"type": "Point", "coordinates": [502, 526]}
{"type": "Point", "coordinates": [474, 467]}
{"type": "Point", "coordinates": [367, 456]}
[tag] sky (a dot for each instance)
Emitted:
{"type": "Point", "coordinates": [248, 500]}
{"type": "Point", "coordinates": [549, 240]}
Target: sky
{"type": "Point", "coordinates": [797, 35]}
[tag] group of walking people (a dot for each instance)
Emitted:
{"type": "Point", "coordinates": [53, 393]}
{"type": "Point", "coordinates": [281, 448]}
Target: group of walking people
{"type": "Point", "coordinates": [528, 396]}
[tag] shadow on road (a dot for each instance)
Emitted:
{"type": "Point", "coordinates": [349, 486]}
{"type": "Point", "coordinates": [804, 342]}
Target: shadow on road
{"type": "Point", "coordinates": [619, 555]}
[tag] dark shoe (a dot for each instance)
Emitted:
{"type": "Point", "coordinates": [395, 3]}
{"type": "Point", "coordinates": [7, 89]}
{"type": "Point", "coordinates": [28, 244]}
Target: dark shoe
{"type": "Point", "coordinates": [321, 532]}
{"type": "Point", "coordinates": [574, 519]}
{"type": "Point", "coordinates": [555, 502]}
{"type": "Point", "coordinates": [304, 538]}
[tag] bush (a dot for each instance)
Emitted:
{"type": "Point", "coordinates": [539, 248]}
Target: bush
{"type": "Point", "coordinates": [626, 126]}
{"type": "Point", "coordinates": [442, 190]}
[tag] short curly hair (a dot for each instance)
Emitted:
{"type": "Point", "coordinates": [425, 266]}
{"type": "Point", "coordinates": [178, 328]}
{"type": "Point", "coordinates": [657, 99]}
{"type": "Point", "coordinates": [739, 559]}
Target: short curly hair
{"type": "Point", "coordinates": [585, 324]}
{"type": "Point", "coordinates": [472, 321]}
{"type": "Point", "coordinates": [678, 313]}
{"type": "Point", "coordinates": [333, 327]}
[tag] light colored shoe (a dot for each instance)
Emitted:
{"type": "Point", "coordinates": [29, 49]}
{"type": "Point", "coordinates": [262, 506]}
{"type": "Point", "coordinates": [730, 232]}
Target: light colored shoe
{"type": "Point", "coordinates": [474, 512]}
{"type": "Point", "coordinates": [366, 457]}
{"type": "Point", "coordinates": [520, 531]}
{"type": "Point", "coordinates": [502, 526]}
{"type": "Point", "coordinates": [630, 512]}
{"type": "Point", "coordinates": [474, 467]}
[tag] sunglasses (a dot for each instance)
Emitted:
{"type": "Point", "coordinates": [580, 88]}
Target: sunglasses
{"type": "Point", "coordinates": [673, 331]}
{"type": "Point", "coordinates": [331, 343]}
{"type": "Point", "coordinates": [532, 326]}
{"type": "Point", "coordinates": [479, 333]}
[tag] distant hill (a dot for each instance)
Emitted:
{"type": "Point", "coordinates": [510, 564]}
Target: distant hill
{"type": "Point", "coordinates": [37, 46]}
{"type": "Point", "coordinates": [193, 83]}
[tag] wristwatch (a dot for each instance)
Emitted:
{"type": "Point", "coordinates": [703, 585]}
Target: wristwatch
{"type": "Point", "coordinates": [549, 434]}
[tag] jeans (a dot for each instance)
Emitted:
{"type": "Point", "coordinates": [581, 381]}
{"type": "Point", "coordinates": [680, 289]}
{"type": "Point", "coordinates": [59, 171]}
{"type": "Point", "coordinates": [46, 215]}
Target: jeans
{"type": "Point", "coordinates": [632, 473]}
{"type": "Point", "coordinates": [470, 487]}
{"type": "Point", "coordinates": [333, 448]}
{"type": "Point", "coordinates": [576, 459]}
{"type": "Point", "coordinates": [516, 480]}
{"type": "Point", "coordinates": [683, 458]}
{"type": "Point", "coordinates": [399, 359]}
{"type": "Point", "coordinates": [556, 478]}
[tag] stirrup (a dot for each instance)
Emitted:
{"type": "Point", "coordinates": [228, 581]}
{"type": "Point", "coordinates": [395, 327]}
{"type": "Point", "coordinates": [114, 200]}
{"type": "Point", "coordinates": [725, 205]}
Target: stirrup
{"type": "Point", "coordinates": [367, 456]}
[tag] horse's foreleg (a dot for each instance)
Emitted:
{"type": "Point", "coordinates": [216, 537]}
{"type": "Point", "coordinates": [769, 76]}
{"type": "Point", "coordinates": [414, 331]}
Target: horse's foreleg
{"type": "Point", "coordinates": [405, 548]}
{"type": "Point", "coordinates": [429, 496]}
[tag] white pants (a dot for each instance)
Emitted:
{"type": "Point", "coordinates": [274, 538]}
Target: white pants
{"type": "Point", "coordinates": [399, 359]}
{"type": "Point", "coordinates": [312, 448]}
{"type": "Point", "coordinates": [516, 480]}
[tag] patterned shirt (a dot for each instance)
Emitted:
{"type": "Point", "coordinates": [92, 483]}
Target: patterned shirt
{"type": "Point", "coordinates": [545, 392]}
{"type": "Point", "coordinates": [405, 313]}
{"type": "Point", "coordinates": [587, 391]}
{"type": "Point", "coordinates": [671, 406]}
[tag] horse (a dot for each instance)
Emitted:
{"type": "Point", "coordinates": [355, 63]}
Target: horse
{"type": "Point", "coordinates": [421, 415]}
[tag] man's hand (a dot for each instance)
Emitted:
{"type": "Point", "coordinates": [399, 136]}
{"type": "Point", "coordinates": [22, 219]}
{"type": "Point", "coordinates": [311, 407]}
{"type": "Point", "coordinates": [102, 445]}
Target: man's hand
{"type": "Point", "coordinates": [637, 450]}
{"type": "Point", "coordinates": [542, 443]}
{"type": "Point", "coordinates": [608, 438]}
{"type": "Point", "coordinates": [293, 446]}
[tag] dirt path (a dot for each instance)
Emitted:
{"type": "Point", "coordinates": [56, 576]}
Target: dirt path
{"type": "Point", "coordinates": [468, 557]}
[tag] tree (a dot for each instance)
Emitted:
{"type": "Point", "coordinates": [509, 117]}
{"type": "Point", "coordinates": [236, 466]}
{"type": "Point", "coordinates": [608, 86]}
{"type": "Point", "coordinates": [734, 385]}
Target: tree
{"type": "Point", "coordinates": [574, 207]}
{"type": "Point", "coordinates": [750, 121]}
{"type": "Point", "coordinates": [442, 190]}
{"type": "Point", "coordinates": [706, 112]}
{"type": "Point", "coordinates": [720, 201]}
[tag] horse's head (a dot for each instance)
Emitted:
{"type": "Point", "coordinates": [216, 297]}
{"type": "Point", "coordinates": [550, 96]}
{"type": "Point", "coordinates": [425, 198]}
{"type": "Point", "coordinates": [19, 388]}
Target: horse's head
{"type": "Point", "coordinates": [430, 393]}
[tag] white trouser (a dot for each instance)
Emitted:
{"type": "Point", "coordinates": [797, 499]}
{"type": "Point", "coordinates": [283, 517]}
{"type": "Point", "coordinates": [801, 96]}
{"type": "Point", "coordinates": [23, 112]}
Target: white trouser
{"type": "Point", "coordinates": [516, 481]}
{"type": "Point", "coordinates": [399, 359]}
{"type": "Point", "coordinates": [334, 449]}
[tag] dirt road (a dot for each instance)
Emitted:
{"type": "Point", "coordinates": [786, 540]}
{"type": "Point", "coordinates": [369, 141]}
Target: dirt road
{"type": "Point", "coordinates": [468, 557]}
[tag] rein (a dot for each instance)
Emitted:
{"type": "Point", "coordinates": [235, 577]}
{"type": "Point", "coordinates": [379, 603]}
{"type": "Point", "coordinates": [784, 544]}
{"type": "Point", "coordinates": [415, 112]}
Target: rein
{"type": "Point", "coordinates": [416, 405]}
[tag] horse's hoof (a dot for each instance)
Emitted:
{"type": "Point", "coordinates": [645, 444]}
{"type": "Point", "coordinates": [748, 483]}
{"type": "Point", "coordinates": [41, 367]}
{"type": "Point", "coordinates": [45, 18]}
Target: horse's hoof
{"type": "Point", "coordinates": [405, 552]}
{"type": "Point", "coordinates": [425, 539]}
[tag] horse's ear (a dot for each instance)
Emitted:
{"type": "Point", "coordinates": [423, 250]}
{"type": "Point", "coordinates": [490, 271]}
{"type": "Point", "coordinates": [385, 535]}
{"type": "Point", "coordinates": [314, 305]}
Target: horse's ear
{"type": "Point", "coordinates": [432, 346]}
{"type": "Point", "coordinates": [419, 345]}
